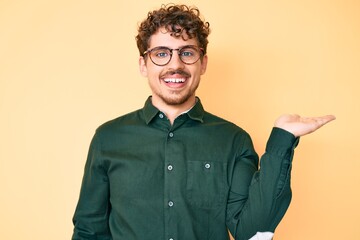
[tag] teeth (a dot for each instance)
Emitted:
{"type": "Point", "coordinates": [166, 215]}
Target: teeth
{"type": "Point", "coordinates": [174, 80]}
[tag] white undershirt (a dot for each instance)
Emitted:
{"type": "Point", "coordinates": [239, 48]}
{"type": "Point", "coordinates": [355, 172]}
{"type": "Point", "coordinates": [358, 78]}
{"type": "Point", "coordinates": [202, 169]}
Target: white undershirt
{"type": "Point", "coordinates": [262, 236]}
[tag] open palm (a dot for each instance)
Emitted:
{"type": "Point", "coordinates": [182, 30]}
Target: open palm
{"type": "Point", "coordinates": [300, 126]}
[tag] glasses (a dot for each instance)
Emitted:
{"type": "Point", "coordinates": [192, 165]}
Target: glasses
{"type": "Point", "coordinates": [161, 56]}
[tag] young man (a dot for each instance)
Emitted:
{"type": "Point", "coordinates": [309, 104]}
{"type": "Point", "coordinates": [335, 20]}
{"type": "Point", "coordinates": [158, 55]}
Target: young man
{"type": "Point", "coordinates": [173, 171]}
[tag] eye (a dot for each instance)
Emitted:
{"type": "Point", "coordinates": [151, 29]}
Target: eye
{"type": "Point", "coordinates": [188, 52]}
{"type": "Point", "coordinates": [161, 53]}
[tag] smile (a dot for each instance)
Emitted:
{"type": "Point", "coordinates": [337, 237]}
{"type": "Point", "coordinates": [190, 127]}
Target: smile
{"type": "Point", "coordinates": [174, 80]}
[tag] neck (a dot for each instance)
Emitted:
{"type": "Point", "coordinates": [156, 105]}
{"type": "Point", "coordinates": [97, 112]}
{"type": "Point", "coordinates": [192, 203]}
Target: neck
{"type": "Point", "coordinates": [173, 111]}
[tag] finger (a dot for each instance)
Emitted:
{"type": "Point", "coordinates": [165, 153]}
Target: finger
{"type": "Point", "coordinates": [325, 119]}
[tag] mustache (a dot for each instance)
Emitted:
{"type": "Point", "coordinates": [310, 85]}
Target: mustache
{"type": "Point", "coordinates": [176, 71]}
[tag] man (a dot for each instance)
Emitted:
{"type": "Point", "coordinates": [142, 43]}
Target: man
{"type": "Point", "coordinates": [173, 171]}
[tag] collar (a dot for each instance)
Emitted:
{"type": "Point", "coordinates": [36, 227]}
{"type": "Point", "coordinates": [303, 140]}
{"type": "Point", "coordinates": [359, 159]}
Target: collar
{"type": "Point", "coordinates": [195, 113]}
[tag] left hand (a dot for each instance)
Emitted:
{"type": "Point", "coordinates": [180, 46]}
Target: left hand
{"type": "Point", "coordinates": [300, 126]}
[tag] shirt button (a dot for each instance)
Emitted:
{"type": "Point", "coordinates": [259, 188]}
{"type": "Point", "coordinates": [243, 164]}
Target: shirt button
{"type": "Point", "coordinates": [170, 167]}
{"type": "Point", "coordinates": [161, 115]}
{"type": "Point", "coordinates": [207, 166]}
{"type": "Point", "coordinates": [171, 239]}
{"type": "Point", "coordinates": [171, 134]}
{"type": "Point", "coordinates": [171, 203]}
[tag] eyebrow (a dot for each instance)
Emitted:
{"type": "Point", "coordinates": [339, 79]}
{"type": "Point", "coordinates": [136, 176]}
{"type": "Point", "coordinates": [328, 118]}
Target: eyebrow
{"type": "Point", "coordinates": [188, 45]}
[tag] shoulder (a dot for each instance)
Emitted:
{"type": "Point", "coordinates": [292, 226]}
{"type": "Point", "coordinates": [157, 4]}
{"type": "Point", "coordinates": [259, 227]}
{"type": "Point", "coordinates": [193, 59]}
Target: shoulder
{"type": "Point", "coordinates": [223, 124]}
{"type": "Point", "coordinates": [131, 118]}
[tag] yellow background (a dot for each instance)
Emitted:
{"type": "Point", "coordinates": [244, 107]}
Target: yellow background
{"type": "Point", "coordinates": [68, 66]}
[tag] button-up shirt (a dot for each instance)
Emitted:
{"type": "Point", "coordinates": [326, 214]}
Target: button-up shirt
{"type": "Point", "coordinates": [194, 179]}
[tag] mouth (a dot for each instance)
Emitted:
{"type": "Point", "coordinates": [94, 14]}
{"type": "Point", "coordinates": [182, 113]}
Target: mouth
{"type": "Point", "coordinates": [175, 78]}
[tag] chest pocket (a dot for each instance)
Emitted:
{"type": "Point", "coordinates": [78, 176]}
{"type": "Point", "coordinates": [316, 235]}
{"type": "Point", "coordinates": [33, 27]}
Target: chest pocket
{"type": "Point", "coordinates": [206, 183]}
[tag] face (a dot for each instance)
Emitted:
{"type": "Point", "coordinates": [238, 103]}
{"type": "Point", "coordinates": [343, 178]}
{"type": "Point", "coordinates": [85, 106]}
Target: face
{"type": "Point", "coordinates": [175, 83]}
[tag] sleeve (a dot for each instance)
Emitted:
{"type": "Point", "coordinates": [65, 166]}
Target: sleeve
{"type": "Point", "coordinates": [91, 216]}
{"type": "Point", "coordinates": [259, 198]}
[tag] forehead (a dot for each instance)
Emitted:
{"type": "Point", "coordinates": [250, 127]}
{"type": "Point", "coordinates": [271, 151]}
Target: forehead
{"type": "Point", "coordinates": [164, 38]}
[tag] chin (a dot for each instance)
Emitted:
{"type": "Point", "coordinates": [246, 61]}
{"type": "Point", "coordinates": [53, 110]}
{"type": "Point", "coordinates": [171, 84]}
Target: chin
{"type": "Point", "coordinates": [179, 100]}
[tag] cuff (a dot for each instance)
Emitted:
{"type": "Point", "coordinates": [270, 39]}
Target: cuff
{"type": "Point", "coordinates": [281, 142]}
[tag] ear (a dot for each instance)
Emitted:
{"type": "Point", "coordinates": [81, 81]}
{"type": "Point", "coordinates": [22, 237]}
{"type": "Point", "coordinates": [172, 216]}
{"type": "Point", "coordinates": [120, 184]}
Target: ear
{"type": "Point", "coordinates": [204, 62]}
{"type": "Point", "coordinates": [142, 66]}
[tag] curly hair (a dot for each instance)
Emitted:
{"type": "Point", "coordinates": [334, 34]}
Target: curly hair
{"type": "Point", "coordinates": [176, 19]}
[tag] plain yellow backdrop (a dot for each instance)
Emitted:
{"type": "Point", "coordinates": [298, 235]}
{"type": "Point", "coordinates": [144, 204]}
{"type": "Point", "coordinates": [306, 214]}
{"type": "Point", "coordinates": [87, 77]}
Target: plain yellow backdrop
{"type": "Point", "coordinates": [68, 66]}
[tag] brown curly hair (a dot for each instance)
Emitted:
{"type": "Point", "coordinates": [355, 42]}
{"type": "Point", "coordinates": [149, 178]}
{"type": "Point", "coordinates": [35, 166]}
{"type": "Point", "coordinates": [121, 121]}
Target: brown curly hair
{"type": "Point", "coordinates": [176, 19]}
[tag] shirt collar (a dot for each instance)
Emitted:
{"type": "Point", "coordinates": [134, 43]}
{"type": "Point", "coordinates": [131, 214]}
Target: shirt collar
{"type": "Point", "coordinates": [195, 113]}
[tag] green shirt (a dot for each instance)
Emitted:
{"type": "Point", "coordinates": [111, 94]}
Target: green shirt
{"type": "Point", "coordinates": [146, 179]}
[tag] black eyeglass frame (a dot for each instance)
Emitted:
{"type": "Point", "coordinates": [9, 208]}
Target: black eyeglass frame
{"type": "Point", "coordinates": [201, 51]}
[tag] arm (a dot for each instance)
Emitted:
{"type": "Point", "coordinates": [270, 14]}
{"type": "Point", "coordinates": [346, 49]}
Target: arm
{"type": "Point", "coordinates": [92, 211]}
{"type": "Point", "coordinates": [258, 203]}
